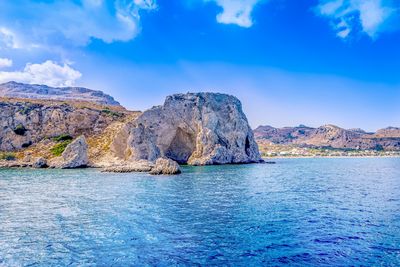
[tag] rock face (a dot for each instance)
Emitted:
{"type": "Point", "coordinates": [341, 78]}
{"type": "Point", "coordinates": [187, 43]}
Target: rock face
{"type": "Point", "coordinates": [165, 166]}
{"type": "Point", "coordinates": [24, 123]}
{"type": "Point", "coordinates": [331, 136]}
{"type": "Point", "coordinates": [193, 128]}
{"type": "Point", "coordinates": [36, 91]}
{"type": "Point", "coordinates": [75, 154]}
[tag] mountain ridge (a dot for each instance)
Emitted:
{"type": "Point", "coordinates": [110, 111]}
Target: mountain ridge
{"type": "Point", "coordinates": [14, 89]}
{"type": "Point", "coordinates": [331, 136]}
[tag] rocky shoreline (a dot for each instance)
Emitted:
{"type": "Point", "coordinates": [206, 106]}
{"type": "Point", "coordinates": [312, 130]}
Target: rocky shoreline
{"type": "Point", "coordinates": [192, 128]}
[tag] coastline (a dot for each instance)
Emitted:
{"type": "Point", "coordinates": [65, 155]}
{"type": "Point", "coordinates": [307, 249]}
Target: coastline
{"type": "Point", "coordinates": [330, 157]}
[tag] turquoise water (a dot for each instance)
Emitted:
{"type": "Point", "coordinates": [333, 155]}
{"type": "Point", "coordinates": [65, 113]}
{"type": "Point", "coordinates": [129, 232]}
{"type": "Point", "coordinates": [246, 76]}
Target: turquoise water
{"type": "Point", "coordinates": [301, 212]}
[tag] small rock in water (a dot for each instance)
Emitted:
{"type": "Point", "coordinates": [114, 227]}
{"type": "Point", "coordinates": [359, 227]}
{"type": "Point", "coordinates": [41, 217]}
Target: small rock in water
{"type": "Point", "coordinates": [165, 166]}
{"type": "Point", "coordinates": [139, 166]}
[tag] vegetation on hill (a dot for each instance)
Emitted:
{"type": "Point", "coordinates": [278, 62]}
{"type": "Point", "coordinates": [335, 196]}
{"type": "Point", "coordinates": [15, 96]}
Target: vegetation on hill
{"type": "Point", "coordinates": [59, 148]}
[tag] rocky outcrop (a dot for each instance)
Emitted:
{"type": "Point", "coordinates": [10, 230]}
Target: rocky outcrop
{"type": "Point", "coordinates": [36, 91]}
{"type": "Point", "coordinates": [331, 136]}
{"type": "Point", "coordinates": [75, 154]}
{"type": "Point", "coordinates": [193, 128]}
{"type": "Point", "coordinates": [40, 163]}
{"type": "Point", "coordinates": [124, 167]}
{"type": "Point", "coordinates": [164, 166]}
{"type": "Point", "coordinates": [24, 123]}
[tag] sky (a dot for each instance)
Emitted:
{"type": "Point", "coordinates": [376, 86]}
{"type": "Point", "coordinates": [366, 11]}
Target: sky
{"type": "Point", "coordinates": [290, 62]}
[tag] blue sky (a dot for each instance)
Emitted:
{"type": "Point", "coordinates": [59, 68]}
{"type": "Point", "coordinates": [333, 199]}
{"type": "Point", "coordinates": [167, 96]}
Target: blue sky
{"type": "Point", "coordinates": [290, 61]}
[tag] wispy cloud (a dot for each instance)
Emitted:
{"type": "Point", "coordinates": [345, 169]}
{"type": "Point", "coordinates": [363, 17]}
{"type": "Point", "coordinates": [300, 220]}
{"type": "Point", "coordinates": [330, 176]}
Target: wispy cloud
{"type": "Point", "coordinates": [5, 62]}
{"type": "Point", "coordinates": [74, 23]}
{"type": "Point", "coordinates": [8, 38]}
{"type": "Point", "coordinates": [48, 72]}
{"type": "Point", "coordinates": [236, 12]}
{"type": "Point", "coordinates": [348, 16]}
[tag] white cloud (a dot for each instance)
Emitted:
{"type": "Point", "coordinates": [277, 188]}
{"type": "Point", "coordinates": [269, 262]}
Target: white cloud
{"type": "Point", "coordinates": [236, 11]}
{"type": "Point", "coordinates": [66, 23]}
{"type": "Point", "coordinates": [346, 16]}
{"type": "Point", "coordinates": [8, 38]}
{"type": "Point", "coordinates": [49, 73]}
{"type": "Point", "coordinates": [5, 62]}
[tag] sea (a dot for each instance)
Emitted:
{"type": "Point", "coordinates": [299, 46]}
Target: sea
{"type": "Point", "coordinates": [296, 212]}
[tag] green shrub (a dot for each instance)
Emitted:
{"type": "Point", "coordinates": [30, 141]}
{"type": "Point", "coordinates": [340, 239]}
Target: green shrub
{"type": "Point", "coordinates": [62, 137]}
{"type": "Point", "coordinates": [25, 111]}
{"type": "Point", "coordinates": [111, 113]}
{"type": "Point", "coordinates": [7, 156]}
{"type": "Point", "coordinates": [20, 129]}
{"type": "Point", "coordinates": [59, 148]}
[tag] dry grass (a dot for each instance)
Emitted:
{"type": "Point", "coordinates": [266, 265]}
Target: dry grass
{"type": "Point", "coordinates": [41, 149]}
{"type": "Point", "coordinates": [99, 145]}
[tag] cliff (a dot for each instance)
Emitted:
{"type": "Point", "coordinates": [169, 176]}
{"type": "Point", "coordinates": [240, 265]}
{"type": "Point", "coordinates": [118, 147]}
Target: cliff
{"type": "Point", "coordinates": [197, 129]}
{"type": "Point", "coordinates": [26, 122]}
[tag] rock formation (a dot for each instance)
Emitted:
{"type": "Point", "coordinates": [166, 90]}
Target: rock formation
{"type": "Point", "coordinates": [193, 128]}
{"type": "Point", "coordinates": [74, 156]}
{"type": "Point", "coordinates": [123, 167]}
{"type": "Point", "coordinates": [165, 166]}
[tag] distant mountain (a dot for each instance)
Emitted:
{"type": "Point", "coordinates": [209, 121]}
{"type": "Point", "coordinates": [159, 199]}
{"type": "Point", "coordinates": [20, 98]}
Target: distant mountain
{"type": "Point", "coordinates": [35, 91]}
{"type": "Point", "coordinates": [388, 132]}
{"type": "Point", "coordinates": [331, 136]}
{"type": "Point", "coordinates": [282, 135]}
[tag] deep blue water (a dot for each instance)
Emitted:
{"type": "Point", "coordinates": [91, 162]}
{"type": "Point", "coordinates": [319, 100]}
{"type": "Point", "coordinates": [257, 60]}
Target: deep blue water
{"type": "Point", "coordinates": [298, 212]}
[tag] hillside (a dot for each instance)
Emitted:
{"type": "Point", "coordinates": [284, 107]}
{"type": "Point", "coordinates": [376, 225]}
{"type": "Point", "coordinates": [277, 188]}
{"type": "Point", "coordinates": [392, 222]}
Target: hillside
{"type": "Point", "coordinates": [44, 92]}
{"type": "Point", "coordinates": [330, 136]}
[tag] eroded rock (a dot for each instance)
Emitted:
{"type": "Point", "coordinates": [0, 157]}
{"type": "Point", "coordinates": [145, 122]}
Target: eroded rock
{"type": "Point", "coordinates": [165, 166]}
{"type": "Point", "coordinates": [193, 128]}
{"type": "Point", "coordinates": [75, 154]}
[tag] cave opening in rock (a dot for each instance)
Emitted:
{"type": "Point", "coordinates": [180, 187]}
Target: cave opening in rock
{"type": "Point", "coordinates": [181, 147]}
{"type": "Point", "coordinates": [247, 146]}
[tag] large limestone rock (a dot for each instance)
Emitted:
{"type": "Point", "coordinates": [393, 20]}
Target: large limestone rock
{"type": "Point", "coordinates": [166, 167]}
{"type": "Point", "coordinates": [193, 128]}
{"type": "Point", "coordinates": [75, 154]}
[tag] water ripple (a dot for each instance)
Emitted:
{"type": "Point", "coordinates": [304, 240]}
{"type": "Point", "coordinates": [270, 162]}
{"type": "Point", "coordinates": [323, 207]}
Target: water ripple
{"type": "Point", "coordinates": [298, 212]}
